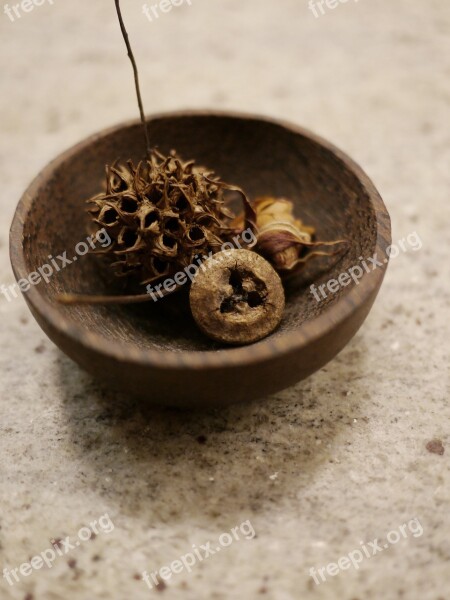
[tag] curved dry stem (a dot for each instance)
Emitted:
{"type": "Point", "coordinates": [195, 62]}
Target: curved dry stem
{"type": "Point", "coordinates": [136, 76]}
{"type": "Point", "coordinates": [74, 299]}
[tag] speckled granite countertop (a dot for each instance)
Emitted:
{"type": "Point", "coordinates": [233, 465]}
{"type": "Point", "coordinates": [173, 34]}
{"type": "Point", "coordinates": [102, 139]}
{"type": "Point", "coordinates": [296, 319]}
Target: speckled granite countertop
{"type": "Point", "coordinates": [342, 458]}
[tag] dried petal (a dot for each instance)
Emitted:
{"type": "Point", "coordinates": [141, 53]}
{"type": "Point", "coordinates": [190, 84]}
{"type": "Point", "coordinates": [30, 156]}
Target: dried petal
{"type": "Point", "coordinates": [281, 237]}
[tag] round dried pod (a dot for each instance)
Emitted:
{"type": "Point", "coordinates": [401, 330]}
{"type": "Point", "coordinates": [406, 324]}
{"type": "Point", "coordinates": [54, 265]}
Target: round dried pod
{"type": "Point", "coordinates": [237, 297]}
{"type": "Point", "coordinates": [165, 208]}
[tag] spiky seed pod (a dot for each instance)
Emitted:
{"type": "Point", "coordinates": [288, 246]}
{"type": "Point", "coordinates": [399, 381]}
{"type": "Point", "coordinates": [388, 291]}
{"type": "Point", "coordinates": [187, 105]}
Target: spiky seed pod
{"type": "Point", "coordinates": [162, 214]}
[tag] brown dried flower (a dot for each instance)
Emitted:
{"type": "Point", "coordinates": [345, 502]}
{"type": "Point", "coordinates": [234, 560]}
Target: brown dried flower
{"type": "Point", "coordinates": [281, 237]}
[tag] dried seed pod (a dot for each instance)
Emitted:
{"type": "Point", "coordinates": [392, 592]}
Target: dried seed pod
{"type": "Point", "coordinates": [163, 208]}
{"type": "Point", "coordinates": [159, 215]}
{"type": "Point", "coordinates": [282, 238]}
{"type": "Point", "coordinates": [237, 297]}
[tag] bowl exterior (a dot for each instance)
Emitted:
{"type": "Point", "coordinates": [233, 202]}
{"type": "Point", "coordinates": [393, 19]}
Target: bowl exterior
{"type": "Point", "coordinates": [185, 387]}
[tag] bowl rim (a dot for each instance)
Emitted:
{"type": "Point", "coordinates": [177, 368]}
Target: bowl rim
{"type": "Point", "coordinates": [276, 344]}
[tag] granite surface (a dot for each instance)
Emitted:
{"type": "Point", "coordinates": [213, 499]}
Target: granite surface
{"type": "Point", "coordinates": [358, 452]}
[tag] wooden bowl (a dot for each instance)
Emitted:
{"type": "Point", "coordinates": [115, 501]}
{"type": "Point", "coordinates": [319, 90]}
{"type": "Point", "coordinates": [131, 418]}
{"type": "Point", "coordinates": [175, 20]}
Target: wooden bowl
{"type": "Point", "coordinates": [152, 350]}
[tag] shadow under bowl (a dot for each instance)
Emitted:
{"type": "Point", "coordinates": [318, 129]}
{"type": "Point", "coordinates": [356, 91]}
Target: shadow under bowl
{"type": "Point", "coordinates": [155, 350]}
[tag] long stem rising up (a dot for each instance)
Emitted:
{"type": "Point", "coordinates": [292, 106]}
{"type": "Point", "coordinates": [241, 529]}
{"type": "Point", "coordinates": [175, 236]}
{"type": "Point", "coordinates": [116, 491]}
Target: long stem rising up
{"type": "Point", "coordinates": [136, 76]}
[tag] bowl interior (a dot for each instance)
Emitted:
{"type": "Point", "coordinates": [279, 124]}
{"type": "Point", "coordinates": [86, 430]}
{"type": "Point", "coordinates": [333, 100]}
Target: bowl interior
{"type": "Point", "coordinates": [264, 158]}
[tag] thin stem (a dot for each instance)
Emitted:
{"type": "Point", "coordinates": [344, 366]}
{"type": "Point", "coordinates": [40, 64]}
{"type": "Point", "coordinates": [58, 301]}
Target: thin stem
{"type": "Point", "coordinates": [72, 299]}
{"type": "Point", "coordinates": [136, 76]}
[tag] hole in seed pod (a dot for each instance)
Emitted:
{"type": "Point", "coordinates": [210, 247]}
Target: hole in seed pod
{"type": "Point", "coordinates": [196, 234]}
{"type": "Point", "coordinates": [227, 305]}
{"type": "Point", "coordinates": [254, 299]}
{"type": "Point", "coordinates": [182, 204]}
{"type": "Point", "coordinates": [129, 205]}
{"type": "Point", "coordinates": [172, 225]}
{"type": "Point", "coordinates": [129, 238]}
{"type": "Point", "coordinates": [150, 218]}
{"type": "Point", "coordinates": [154, 195]}
{"type": "Point", "coordinates": [168, 241]}
{"type": "Point", "coordinates": [110, 216]}
{"type": "Point", "coordinates": [207, 221]}
{"type": "Point", "coordinates": [118, 184]}
{"type": "Point", "coordinates": [160, 266]}
{"type": "Point", "coordinates": [235, 280]}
